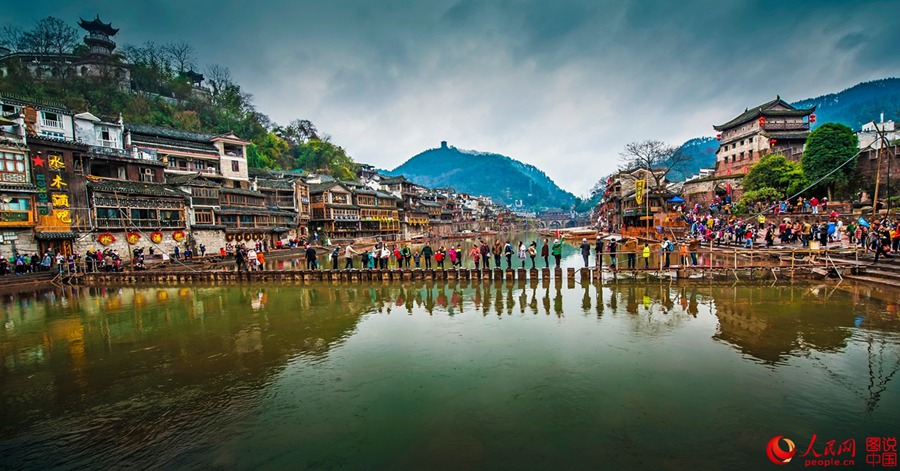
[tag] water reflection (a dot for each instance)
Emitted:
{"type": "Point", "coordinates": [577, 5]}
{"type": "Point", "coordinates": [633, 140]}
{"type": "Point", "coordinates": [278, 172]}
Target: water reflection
{"type": "Point", "coordinates": [181, 376]}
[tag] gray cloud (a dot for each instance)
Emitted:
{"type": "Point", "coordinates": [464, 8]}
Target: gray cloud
{"type": "Point", "coordinates": [562, 85]}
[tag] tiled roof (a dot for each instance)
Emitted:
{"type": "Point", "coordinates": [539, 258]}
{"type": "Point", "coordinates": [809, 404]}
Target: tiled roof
{"type": "Point", "coordinates": [141, 188]}
{"type": "Point", "coordinates": [763, 110]}
{"type": "Point", "coordinates": [227, 209]}
{"type": "Point", "coordinates": [159, 131]}
{"type": "Point", "coordinates": [241, 191]}
{"type": "Point", "coordinates": [193, 179]}
{"type": "Point", "coordinates": [788, 135]}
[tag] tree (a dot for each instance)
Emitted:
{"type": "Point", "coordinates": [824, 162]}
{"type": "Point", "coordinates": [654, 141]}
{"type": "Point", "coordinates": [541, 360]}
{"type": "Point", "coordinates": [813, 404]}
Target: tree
{"type": "Point", "coordinates": [12, 37]}
{"type": "Point", "coordinates": [50, 36]}
{"type": "Point", "coordinates": [828, 147]}
{"type": "Point", "coordinates": [218, 77]}
{"type": "Point", "coordinates": [657, 157]}
{"type": "Point", "coordinates": [181, 54]}
{"type": "Point", "coordinates": [321, 155]}
{"type": "Point", "coordinates": [269, 148]}
{"type": "Point", "coordinates": [775, 172]}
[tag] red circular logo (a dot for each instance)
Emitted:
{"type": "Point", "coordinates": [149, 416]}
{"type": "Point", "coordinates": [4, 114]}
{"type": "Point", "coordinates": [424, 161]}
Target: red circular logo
{"type": "Point", "coordinates": [776, 454]}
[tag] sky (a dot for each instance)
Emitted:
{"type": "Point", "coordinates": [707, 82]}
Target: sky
{"type": "Point", "coordinates": [560, 84]}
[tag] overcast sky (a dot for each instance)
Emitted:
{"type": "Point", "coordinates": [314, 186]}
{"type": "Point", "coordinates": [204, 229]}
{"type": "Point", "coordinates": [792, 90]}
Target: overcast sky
{"type": "Point", "coordinates": [560, 84]}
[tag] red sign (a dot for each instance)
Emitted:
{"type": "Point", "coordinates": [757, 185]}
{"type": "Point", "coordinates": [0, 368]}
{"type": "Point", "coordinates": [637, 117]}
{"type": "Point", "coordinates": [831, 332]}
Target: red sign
{"type": "Point", "coordinates": [133, 237]}
{"type": "Point", "coordinates": [106, 238]}
{"type": "Point", "coordinates": [156, 237]}
{"type": "Point", "coordinates": [178, 236]}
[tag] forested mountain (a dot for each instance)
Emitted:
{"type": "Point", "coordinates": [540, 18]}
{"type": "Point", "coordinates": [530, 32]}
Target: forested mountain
{"type": "Point", "coordinates": [852, 107]}
{"type": "Point", "coordinates": [504, 179]}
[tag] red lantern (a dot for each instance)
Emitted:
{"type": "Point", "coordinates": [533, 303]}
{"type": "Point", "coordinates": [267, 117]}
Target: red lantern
{"type": "Point", "coordinates": [772, 142]}
{"type": "Point", "coordinates": [718, 136]}
{"type": "Point", "coordinates": [812, 118]}
{"type": "Point", "coordinates": [156, 237]}
{"type": "Point", "coordinates": [762, 121]}
{"type": "Point", "coordinates": [178, 236]}
{"type": "Point", "coordinates": [133, 237]}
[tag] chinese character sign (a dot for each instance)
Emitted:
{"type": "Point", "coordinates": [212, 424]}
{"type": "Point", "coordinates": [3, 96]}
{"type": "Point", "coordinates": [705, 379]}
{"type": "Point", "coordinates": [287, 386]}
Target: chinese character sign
{"type": "Point", "coordinates": [106, 238]}
{"type": "Point", "coordinates": [639, 186]}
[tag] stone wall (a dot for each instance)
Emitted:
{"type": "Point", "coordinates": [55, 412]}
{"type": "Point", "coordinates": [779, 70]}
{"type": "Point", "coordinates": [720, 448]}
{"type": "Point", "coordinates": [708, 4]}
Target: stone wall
{"type": "Point", "coordinates": [213, 239]}
{"type": "Point", "coordinates": [26, 243]}
{"type": "Point", "coordinates": [703, 190]}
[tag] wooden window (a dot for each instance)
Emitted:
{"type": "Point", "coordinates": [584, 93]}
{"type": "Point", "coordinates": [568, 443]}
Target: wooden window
{"type": "Point", "coordinates": [235, 166]}
{"type": "Point", "coordinates": [13, 168]}
{"type": "Point", "coordinates": [204, 217]}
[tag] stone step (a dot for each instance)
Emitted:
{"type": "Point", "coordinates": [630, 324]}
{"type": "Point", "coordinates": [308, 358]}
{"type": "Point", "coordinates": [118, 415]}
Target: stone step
{"type": "Point", "coordinates": [877, 280]}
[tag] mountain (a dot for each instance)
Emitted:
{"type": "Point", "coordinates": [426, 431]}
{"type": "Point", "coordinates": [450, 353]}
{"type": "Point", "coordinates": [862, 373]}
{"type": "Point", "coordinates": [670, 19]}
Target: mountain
{"type": "Point", "coordinates": [858, 104]}
{"type": "Point", "coordinates": [852, 107]}
{"type": "Point", "coordinates": [504, 179]}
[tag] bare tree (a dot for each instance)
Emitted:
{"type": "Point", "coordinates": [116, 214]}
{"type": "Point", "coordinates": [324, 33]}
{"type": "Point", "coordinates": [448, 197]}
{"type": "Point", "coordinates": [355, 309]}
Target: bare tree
{"type": "Point", "coordinates": [50, 36]}
{"type": "Point", "coordinates": [181, 54]}
{"type": "Point", "coordinates": [12, 37]}
{"type": "Point", "coordinates": [218, 77]}
{"type": "Point", "coordinates": [298, 132]}
{"type": "Point", "coordinates": [657, 157]}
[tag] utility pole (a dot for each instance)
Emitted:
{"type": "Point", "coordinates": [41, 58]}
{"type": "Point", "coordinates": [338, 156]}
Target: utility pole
{"type": "Point", "coordinates": [883, 143]}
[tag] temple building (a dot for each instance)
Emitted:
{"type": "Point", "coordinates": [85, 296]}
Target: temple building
{"type": "Point", "coordinates": [773, 127]}
{"type": "Point", "coordinates": [99, 59]}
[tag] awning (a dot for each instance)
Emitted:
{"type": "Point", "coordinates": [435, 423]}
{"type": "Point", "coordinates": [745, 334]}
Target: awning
{"type": "Point", "coordinates": [54, 235]}
{"type": "Point", "coordinates": [676, 199]}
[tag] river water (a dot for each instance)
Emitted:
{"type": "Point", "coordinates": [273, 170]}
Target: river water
{"type": "Point", "coordinates": [443, 376]}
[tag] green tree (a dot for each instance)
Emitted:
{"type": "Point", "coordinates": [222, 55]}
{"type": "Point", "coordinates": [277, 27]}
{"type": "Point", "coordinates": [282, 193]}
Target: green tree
{"type": "Point", "coordinates": [268, 149]}
{"type": "Point", "coordinates": [778, 173]}
{"type": "Point", "coordinates": [323, 156]}
{"type": "Point", "coordinates": [829, 146]}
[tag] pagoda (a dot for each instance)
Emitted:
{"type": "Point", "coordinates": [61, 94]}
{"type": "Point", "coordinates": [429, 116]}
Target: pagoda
{"type": "Point", "coordinates": [98, 37]}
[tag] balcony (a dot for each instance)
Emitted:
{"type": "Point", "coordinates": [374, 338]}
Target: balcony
{"type": "Point", "coordinates": [142, 223]}
{"type": "Point", "coordinates": [51, 123]}
{"type": "Point", "coordinates": [786, 126]}
{"type": "Point", "coordinates": [16, 218]}
{"type": "Point", "coordinates": [106, 143]}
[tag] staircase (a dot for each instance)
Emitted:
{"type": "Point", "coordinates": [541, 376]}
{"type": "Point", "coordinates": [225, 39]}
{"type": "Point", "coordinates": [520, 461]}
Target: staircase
{"type": "Point", "coordinates": [886, 272]}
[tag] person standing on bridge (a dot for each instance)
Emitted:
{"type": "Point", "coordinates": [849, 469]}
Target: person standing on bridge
{"type": "Point", "coordinates": [646, 254]}
{"type": "Point", "coordinates": [523, 252]}
{"type": "Point", "coordinates": [427, 253]}
{"type": "Point", "coordinates": [631, 248]}
{"type": "Point", "coordinates": [485, 254]}
{"type": "Point", "coordinates": [545, 253]}
{"type": "Point", "coordinates": [475, 253]}
{"type": "Point", "coordinates": [557, 251]}
{"type": "Point", "coordinates": [497, 251]}
{"type": "Point", "coordinates": [508, 251]}
{"type": "Point", "coordinates": [585, 251]}
{"type": "Point", "coordinates": [348, 256]}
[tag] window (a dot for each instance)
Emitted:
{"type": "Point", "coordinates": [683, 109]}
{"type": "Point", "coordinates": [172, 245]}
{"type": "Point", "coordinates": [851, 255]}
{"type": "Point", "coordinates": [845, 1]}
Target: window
{"type": "Point", "coordinates": [13, 168]}
{"type": "Point", "coordinates": [235, 166]}
{"type": "Point", "coordinates": [147, 175]}
{"type": "Point", "coordinates": [143, 214]}
{"type": "Point", "coordinates": [203, 217]}
{"type": "Point", "coordinates": [170, 218]}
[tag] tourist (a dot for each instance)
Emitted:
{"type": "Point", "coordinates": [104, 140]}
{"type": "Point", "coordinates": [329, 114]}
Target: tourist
{"type": "Point", "coordinates": [556, 250]}
{"type": "Point", "coordinates": [486, 255]}
{"type": "Point", "coordinates": [693, 246]}
{"type": "Point", "coordinates": [878, 244]}
{"type": "Point", "coordinates": [385, 257]}
{"type": "Point", "coordinates": [814, 204]}
{"type": "Point", "coordinates": [260, 260]}
{"type": "Point", "coordinates": [523, 253]}
{"type": "Point", "coordinates": [497, 251]}
{"type": "Point", "coordinates": [532, 252]}
{"type": "Point", "coordinates": [612, 247]}
{"type": "Point", "coordinates": [238, 260]}
{"type": "Point", "coordinates": [363, 260]}
{"type": "Point", "coordinates": [545, 253]}
{"type": "Point", "coordinates": [666, 249]}
{"type": "Point", "coordinates": [202, 250]}
{"type": "Point", "coordinates": [417, 258]}
{"type": "Point", "coordinates": [646, 254]}
{"type": "Point", "coordinates": [508, 251]}
{"type": "Point", "coordinates": [177, 252]}
{"type": "Point", "coordinates": [439, 257]}
{"type": "Point", "coordinates": [310, 257]}
{"type": "Point", "coordinates": [475, 254]}
{"type": "Point", "coordinates": [348, 257]}
{"type": "Point", "coordinates": [585, 251]}
{"type": "Point", "coordinates": [427, 253]}
{"type": "Point", "coordinates": [452, 255]}
{"type": "Point", "coordinates": [407, 254]}
{"type": "Point", "coordinates": [459, 256]}
{"type": "Point", "coordinates": [683, 252]}
{"type": "Point", "coordinates": [598, 251]}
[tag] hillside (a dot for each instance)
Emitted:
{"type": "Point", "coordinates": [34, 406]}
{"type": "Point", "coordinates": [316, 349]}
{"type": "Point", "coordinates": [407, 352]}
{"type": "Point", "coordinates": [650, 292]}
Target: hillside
{"type": "Point", "coordinates": [504, 179]}
{"type": "Point", "coordinates": [858, 104]}
{"type": "Point", "coordinates": [852, 107]}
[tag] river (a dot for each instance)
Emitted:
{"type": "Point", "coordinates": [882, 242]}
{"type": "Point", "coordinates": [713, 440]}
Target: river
{"type": "Point", "coordinates": [448, 375]}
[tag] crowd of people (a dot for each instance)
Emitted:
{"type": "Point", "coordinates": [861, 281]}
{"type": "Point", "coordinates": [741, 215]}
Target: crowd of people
{"type": "Point", "coordinates": [54, 261]}
{"type": "Point", "coordinates": [482, 254]}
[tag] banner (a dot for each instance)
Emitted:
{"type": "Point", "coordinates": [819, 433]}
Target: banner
{"type": "Point", "coordinates": [639, 191]}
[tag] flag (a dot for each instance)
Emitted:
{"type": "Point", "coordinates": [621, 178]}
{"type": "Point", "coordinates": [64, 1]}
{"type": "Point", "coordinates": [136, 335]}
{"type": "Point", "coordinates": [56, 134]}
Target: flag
{"type": "Point", "coordinates": [557, 233]}
{"type": "Point", "coordinates": [728, 188]}
{"type": "Point", "coordinates": [862, 222]}
{"type": "Point", "coordinates": [639, 186]}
